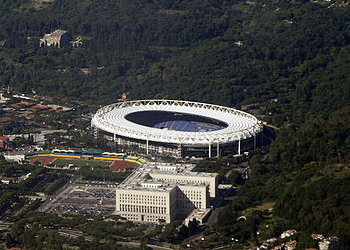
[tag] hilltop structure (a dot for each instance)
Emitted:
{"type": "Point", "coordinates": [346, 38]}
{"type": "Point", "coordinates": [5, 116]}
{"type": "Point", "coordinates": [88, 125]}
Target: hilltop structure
{"type": "Point", "coordinates": [57, 38]}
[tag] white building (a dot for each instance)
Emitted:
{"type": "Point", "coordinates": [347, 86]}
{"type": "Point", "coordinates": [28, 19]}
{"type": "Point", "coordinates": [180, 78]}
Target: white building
{"type": "Point", "coordinates": [162, 192]}
{"type": "Point", "coordinates": [330, 243]}
{"type": "Point", "coordinates": [57, 38]}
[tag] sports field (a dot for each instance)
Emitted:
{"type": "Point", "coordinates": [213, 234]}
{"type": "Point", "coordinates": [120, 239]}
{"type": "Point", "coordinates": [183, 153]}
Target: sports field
{"type": "Point", "coordinates": [114, 166]}
{"type": "Point", "coordinates": [80, 163]}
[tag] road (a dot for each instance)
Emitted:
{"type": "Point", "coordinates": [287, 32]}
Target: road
{"type": "Point", "coordinates": [4, 226]}
{"type": "Point", "coordinates": [136, 244]}
{"type": "Point", "coordinates": [74, 234]}
{"type": "Point", "coordinates": [218, 207]}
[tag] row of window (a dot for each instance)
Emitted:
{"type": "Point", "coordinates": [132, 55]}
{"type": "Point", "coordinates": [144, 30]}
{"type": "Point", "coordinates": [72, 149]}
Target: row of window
{"type": "Point", "coordinates": [142, 199]}
{"type": "Point", "coordinates": [193, 195]}
{"type": "Point", "coordinates": [142, 209]}
{"type": "Point", "coordinates": [150, 218]}
{"type": "Point", "coordinates": [178, 179]}
{"type": "Point", "coordinates": [188, 204]}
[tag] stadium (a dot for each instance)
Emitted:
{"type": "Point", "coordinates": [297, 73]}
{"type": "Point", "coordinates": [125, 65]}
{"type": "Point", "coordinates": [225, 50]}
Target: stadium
{"type": "Point", "coordinates": [177, 128]}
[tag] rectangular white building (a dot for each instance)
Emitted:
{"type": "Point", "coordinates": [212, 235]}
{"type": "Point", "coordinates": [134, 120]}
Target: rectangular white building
{"type": "Point", "coordinates": [162, 192]}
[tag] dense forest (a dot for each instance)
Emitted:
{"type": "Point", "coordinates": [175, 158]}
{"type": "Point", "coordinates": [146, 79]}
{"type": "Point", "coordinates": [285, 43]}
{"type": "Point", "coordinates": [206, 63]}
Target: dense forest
{"type": "Point", "coordinates": [290, 59]}
{"type": "Point", "coordinates": [226, 52]}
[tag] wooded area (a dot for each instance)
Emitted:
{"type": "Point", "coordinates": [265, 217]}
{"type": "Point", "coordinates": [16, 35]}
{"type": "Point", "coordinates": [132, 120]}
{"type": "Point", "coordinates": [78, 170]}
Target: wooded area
{"type": "Point", "coordinates": [289, 58]}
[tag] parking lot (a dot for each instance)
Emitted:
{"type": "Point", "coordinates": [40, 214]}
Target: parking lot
{"type": "Point", "coordinates": [82, 198]}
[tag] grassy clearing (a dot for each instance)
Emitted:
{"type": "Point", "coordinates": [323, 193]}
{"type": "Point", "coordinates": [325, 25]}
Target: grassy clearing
{"type": "Point", "coordinates": [262, 207]}
{"type": "Point", "coordinates": [265, 206]}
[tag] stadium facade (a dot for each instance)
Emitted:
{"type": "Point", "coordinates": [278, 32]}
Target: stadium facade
{"type": "Point", "coordinates": [163, 192]}
{"type": "Point", "coordinates": [178, 128]}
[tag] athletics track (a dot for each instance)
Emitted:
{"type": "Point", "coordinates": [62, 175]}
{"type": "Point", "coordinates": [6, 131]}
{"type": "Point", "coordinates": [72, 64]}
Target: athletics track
{"type": "Point", "coordinates": [119, 166]}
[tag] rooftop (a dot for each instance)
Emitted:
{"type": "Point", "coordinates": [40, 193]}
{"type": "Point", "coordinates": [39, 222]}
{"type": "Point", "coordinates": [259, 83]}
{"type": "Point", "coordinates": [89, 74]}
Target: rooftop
{"type": "Point", "coordinates": [143, 177]}
{"type": "Point", "coordinates": [57, 33]}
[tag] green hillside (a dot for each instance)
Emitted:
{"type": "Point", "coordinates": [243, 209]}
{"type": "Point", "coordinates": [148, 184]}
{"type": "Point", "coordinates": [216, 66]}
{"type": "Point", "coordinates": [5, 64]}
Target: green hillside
{"type": "Point", "coordinates": [291, 59]}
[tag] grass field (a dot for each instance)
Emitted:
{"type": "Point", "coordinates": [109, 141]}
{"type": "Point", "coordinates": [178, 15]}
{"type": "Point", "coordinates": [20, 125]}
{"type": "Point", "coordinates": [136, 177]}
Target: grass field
{"type": "Point", "coordinates": [262, 207]}
{"type": "Point", "coordinates": [81, 163]}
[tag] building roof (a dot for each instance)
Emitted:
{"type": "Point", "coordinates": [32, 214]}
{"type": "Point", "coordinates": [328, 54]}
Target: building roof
{"type": "Point", "coordinates": [145, 177]}
{"type": "Point", "coordinates": [240, 125]}
{"type": "Point", "coordinates": [57, 33]}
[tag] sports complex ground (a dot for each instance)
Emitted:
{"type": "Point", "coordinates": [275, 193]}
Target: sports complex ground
{"type": "Point", "coordinates": [59, 162]}
{"type": "Point", "coordinates": [82, 196]}
{"type": "Point", "coordinates": [80, 158]}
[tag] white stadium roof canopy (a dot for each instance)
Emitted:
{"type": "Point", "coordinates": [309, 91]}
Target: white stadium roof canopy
{"type": "Point", "coordinates": [112, 119]}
